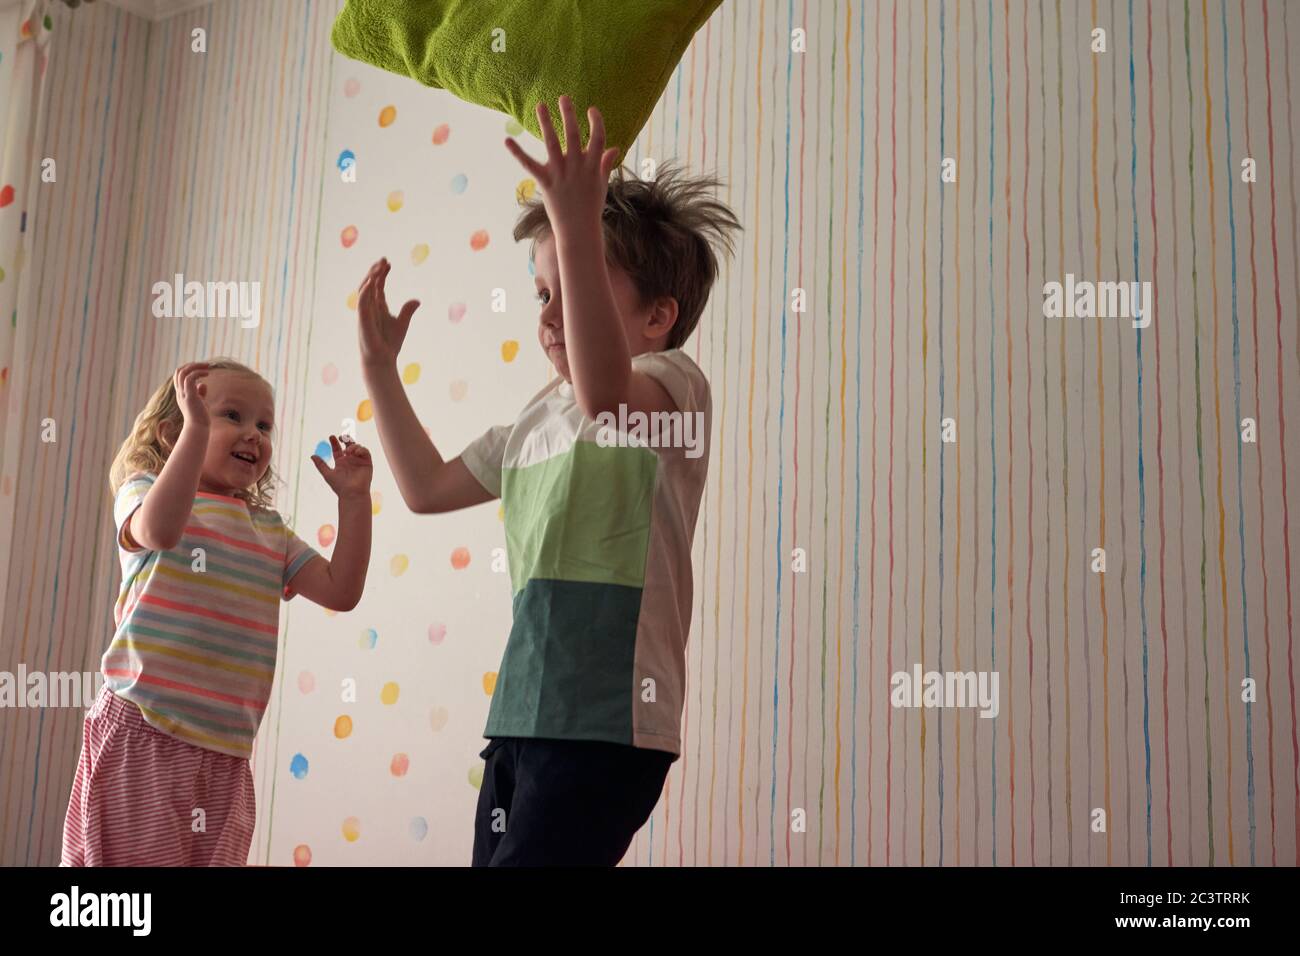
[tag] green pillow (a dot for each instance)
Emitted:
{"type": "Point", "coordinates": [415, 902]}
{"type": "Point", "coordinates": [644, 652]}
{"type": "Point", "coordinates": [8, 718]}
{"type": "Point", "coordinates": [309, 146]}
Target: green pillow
{"type": "Point", "coordinates": [616, 55]}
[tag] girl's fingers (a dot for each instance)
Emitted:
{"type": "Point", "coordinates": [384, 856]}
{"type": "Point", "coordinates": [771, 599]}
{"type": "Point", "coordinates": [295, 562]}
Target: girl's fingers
{"type": "Point", "coordinates": [572, 135]}
{"type": "Point", "coordinates": [597, 122]}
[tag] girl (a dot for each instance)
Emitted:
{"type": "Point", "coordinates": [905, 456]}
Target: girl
{"type": "Point", "coordinates": [164, 776]}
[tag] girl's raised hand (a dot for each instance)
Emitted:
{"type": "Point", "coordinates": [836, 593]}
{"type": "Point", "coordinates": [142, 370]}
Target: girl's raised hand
{"type": "Point", "coordinates": [190, 391]}
{"type": "Point", "coordinates": [352, 468]}
{"type": "Point", "coordinates": [381, 333]}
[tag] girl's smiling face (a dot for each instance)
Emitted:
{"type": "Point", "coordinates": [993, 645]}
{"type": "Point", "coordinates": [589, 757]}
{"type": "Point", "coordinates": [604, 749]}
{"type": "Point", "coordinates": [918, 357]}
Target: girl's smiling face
{"type": "Point", "coordinates": [242, 412]}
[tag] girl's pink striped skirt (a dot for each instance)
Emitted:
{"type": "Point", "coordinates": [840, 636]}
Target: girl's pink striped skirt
{"type": "Point", "coordinates": [138, 793]}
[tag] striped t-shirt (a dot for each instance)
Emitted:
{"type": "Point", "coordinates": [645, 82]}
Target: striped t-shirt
{"type": "Point", "coordinates": [198, 624]}
{"type": "Point", "coordinates": [598, 539]}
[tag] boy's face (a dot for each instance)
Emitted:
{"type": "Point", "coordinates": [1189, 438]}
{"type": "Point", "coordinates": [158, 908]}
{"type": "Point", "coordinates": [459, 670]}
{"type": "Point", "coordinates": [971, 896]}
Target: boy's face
{"type": "Point", "coordinates": [242, 411]}
{"type": "Point", "coordinates": [638, 319]}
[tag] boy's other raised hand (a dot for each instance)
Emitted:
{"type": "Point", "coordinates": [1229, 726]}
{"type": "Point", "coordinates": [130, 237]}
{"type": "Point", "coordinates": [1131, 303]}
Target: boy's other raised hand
{"type": "Point", "coordinates": [381, 333]}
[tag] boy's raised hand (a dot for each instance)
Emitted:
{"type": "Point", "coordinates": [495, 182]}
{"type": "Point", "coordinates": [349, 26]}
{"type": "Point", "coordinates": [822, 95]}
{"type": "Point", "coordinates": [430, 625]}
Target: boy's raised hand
{"type": "Point", "coordinates": [352, 468]}
{"type": "Point", "coordinates": [574, 183]}
{"type": "Point", "coordinates": [381, 332]}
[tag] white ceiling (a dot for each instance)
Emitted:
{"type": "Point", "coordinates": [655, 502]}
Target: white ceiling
{"type": "Point", "coordinates": [158, 9]}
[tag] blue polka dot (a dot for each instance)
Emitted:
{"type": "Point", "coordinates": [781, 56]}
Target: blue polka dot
{"type": "Point", "coordinates": [459, 183]}
{"type": "Point", "coordinates": [298, 766]}
{"type": "Point", "coordinates": [369, 638]}
{"type": "Point", "coordinates": [346, 159]}
{"type": "Point", "coordinates": [419, 828]}
{"type": "Point", "coordinates": [324, 451]}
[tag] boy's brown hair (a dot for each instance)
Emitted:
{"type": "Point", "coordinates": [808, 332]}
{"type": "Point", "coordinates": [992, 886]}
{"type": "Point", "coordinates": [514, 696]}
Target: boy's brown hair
{"type": "Point", "coordinates": [659, 233]}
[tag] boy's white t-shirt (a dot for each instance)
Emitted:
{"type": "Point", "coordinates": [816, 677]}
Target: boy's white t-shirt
{"type": "Point", "coordinates": [599, 524]}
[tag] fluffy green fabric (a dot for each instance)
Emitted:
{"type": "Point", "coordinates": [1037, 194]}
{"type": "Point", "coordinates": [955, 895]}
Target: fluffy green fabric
{"type": "Point", "coordinates": [616, 55]}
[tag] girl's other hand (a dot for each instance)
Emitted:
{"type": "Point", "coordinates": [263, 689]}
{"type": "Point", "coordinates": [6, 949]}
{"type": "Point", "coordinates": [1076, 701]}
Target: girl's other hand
{"type": "Point", "coordinates": [352, 468]}
{"type": "Point", "coordinates": [190, 392]}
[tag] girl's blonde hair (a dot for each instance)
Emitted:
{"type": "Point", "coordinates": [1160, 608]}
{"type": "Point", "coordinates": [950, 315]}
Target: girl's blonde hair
{"type": "Point", "coordinates": [146, 450]}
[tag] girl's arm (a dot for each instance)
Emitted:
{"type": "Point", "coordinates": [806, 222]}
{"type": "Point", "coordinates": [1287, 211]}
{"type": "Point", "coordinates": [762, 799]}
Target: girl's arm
{"type": "Point", "coordinates": [338, 583]}
{"type": "Point", "coordinates": [160, 520]}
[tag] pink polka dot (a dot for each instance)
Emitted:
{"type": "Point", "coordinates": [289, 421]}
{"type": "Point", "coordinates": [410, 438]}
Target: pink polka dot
{"type": "Point", "coordinates": [460, 559]}
{"type": "Point", "coordinates": [400, 764]}
{"type": "Point", "coordinates": [348, 236]}
{"type": "Point", "coordinates": [437, 633]}
{"type": "Point", "coordinates": [302, 855]}
{"type": "Point", "coordinates": [306, 682]}
{"type": "Point", "coordinates": [351, 87]}
{"type": "Point", "coordinates": [479, 240]}
{"type": "Point", "coordinates": [456, 311]}
{"type": "Point", "coordinates": [330, 373]}
{"type": "Point", "coordinates": [440, 134]}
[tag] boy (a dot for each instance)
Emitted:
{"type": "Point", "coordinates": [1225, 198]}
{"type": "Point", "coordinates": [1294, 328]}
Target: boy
{"type": "Point", "coordinates": [586, 716]}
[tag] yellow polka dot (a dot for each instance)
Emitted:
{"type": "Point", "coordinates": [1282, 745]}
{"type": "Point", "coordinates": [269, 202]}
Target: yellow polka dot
{"type": "Point", "coordinates": [376, 502]}
{"type": "Point", "coordinates": [419, 253]}
{"type": "Point", "coordinates": [411, 374]}
{"type": "Point", "coordinates": [399, 564]}
{"type": "Point", "coordinates": [352, 829]}
{"type": "Point", "coordinates": [352, 300]}
{"type": "Point", "coordinates": [365, 411]}
{"type": "Point", "coordinates": [509, 349]}
{"type": "Point", "coordinates": [489, 682]}
{"type": "Point", "coordinates": [395, 200]}
{"type": "Point", "coordinates": [501, 512]}
{"type": "Point", "coordinates": [343, 727]}
{"type": "Point", "coordinates": [389, 693]}
{"type": "Point", "coordinates": [525, 191]}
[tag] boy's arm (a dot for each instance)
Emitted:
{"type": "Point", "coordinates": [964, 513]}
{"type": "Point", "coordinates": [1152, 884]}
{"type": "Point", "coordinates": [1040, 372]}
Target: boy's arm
{"type": "Point", "coordinates": [599, 359]}
{"type": "Point", "coordinates": [428, 484]}
{"type": "Point", "coordinates": [338, 583]}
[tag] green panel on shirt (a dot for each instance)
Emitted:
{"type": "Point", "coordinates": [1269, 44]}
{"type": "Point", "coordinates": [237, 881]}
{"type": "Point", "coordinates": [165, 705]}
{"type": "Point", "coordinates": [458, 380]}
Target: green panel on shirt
{"type": "Point", "coordinates": [567, 672]}
{"type": "Point", "coordinates": [582, 515]}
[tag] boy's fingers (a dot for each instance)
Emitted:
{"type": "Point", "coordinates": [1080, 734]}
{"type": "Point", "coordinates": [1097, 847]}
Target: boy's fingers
{"type": "Point", "coordinates": [597, 142]}
{"type": "Point", "coordinates": [526, 161]}
{"type": "Point", "coordinates": [572, 135]}
{"type": "Point", "coordinates": [548, 132]}
{"type": "Point", "coordinates": [408, 310]}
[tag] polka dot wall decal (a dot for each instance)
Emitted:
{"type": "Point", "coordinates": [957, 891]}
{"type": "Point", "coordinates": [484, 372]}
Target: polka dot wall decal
{"type": "Point", "coordinates": [365, 411]}
{"type": "Point", "coordinates": [352, 301]}
{"type": "Point", "coordinates": [330, 373]}
{"type": "Point", "coordinates": [346, 159]}
{"type": "Point", "coordinates": [509, 349]}
{"type": "Point", "coordinates": [298, 766]}
{"type": "Point", "coordinates": [419, 252]}
{"type": "Point", "coordinates": [6, 195]}
{"type": "Point", "coordinates": [399, 765]}
{"type": "Point", "coordinates": [302, 855]}
{"type": "Point", "coordinates": [512, 127]}
{"type": "Point", "coordinates": [325, 535]}
{"type": "Point", "coordinates": [501, 512]}
{"type": "Point", "coordinates": [376, 502]}
{"type": "Point", "coordinates": [437, 633]}
{"type": "Point", "coordinates": [489, 682]}
{"type": "Point", "coordinates": [411, 374]}
{"type": "Point", "coordinates": [525, 191]}
{"type": "Point", "coordinates": [440, 134]}
{"type": "Point", "coordinates": [389, 693]}
{"type": "Point", "coordinates": [456, 311]}
{"type": "Point", "coordinates": [387, 115]}
{"type": "Point", "coordinates": [398, 565]}
{"type": "Point", "coordinates": [438, 718]}
{"type": "Point", "coordinates": [476, 776]}
{"type": "Point", "coordinates": [479, 240]}
{"type": "Point", "coordinates": [343, 727]}
{"type": "Point", "coordinates": [351, 87]}
{"type": "Point", "coordinates": [419, 828]}
{"type": "Point", "coordinates": [395, 200]}
{"type": "Point", "coordinates": [324, 451]}
{"type": "Point", "coordinates": [369, 638]}
{"type": "Point", "coordinates": [352, 829]}
{"type": "Point", "coordinates": [458, 389]}
{"type": "Point", "coordinates": [459, 183]}
{"type": "Point", "coordinates": [348, 236]}
{"type": "Point", "coordinates": [460, 558]}
{"type": "Point", "coordinates": [306, 682]}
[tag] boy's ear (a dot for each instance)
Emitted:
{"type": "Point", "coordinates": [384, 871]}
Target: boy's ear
{"type": "Point", "coordinates": [662, 317]}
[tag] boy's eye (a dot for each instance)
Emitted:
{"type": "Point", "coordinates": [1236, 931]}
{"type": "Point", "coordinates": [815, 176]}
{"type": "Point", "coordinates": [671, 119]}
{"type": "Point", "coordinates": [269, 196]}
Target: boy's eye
{"type": "Point", "coordinates": [539, 296]}
{"type": "Point", "coordinates": [264, 426]}
{"type": "Point", "coordinates": [233, 415]}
